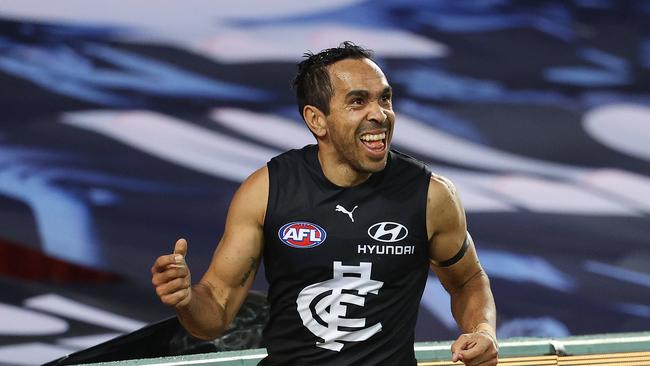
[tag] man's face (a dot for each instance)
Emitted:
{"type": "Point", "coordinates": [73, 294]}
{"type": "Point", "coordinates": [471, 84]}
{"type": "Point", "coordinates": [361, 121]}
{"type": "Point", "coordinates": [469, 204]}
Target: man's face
{"type": "Point", "coordinates": [361, 120]}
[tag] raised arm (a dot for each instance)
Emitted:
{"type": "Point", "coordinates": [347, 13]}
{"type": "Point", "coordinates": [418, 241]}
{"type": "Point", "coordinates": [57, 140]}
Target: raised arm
{"type": "Point", "coordinates": [454, 260]}
{"type": "Point", "coordinates": [207, 308]}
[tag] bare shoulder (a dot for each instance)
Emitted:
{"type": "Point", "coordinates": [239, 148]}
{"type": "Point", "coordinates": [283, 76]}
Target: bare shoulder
{"type": "Point", "coordinates": [442, 193]}
{"type": "Point", "coordinates": [258, 180]}
{"type": "Point", "coordinates": [252, 196]}
{"type": "Point", "coordinates": [444, 208]}
{"type": "Point", "coordinates": [442, 184]}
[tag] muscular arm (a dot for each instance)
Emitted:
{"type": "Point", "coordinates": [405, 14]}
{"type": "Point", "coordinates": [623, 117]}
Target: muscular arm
{"type": "Point", "coordinates": [472, 303]}
{"type": "Point", "coordinates": [217, 297]}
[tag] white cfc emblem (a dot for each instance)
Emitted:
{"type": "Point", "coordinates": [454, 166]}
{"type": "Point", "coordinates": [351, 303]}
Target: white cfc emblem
{"type": "Point", "coordinates": [323, 306]}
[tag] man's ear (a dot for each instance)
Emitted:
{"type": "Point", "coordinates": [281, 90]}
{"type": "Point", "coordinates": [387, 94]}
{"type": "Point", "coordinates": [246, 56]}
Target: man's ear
{"type": "Point", "coordinates": [315, 120]}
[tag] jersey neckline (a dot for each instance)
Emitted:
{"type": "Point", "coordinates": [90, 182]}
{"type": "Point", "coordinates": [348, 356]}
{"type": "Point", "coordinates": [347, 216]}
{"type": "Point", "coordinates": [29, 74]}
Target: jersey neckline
{"type": "Point", "coordinates": [314, 163]}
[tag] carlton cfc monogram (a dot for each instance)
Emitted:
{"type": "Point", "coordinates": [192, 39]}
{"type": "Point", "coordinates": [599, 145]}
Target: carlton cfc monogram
{"type": "Point", "coordinates": [323, 306]}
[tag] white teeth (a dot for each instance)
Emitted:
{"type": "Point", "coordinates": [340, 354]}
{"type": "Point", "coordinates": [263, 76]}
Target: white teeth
{"type": "Point", "coordinates": [376, 137]}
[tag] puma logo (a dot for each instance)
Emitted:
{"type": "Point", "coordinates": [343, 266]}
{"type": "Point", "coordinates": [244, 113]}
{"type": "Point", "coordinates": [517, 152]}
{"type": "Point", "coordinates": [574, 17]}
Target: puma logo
{"type": "Point", "coordinates": [340, 208]}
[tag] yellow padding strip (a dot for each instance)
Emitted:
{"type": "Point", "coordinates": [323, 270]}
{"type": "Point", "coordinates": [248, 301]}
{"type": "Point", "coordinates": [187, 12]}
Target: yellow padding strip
{"type": "Point", "coordinates": [609, 359]}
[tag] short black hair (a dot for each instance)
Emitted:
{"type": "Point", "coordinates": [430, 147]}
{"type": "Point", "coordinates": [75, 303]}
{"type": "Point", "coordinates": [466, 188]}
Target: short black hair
{"type": "Point", "coordinates": [312, 83]}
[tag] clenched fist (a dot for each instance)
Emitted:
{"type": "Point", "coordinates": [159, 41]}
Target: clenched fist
{"type": "Point", "coordinates": [171, 277]}
{"type": "Point", "coordinates": [476, 349]}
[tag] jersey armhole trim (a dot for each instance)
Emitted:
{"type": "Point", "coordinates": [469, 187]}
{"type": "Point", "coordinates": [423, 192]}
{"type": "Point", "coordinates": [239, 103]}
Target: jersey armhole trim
{"type": "Point", "coordinates": [272, 195]}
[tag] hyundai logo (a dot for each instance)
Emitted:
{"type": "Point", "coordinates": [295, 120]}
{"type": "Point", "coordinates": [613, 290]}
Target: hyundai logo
{"type": "Point", "coordinates": [388, 232]}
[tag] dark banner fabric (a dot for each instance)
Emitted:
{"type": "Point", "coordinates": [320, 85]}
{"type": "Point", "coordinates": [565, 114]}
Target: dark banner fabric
{"type": "Point", "coordinates": [126, 125]}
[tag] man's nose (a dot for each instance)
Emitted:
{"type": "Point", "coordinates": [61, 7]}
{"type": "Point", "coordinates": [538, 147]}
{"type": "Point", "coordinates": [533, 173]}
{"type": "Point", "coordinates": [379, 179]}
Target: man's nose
{"type": "Point", "coordinates": [377, 113]}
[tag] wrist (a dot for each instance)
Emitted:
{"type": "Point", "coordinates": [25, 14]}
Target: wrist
{"type": "Point", "coordinates": [184, 304]}
{"type": "Point", "coordinates": [485, 328]}
{"type": "Point", "coordinates": [488, 330]}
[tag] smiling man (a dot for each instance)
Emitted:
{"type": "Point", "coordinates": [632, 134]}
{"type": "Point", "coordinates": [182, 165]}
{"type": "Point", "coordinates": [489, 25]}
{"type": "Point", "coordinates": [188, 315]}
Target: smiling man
{"type": "Point", "coordinates": [348, 230]}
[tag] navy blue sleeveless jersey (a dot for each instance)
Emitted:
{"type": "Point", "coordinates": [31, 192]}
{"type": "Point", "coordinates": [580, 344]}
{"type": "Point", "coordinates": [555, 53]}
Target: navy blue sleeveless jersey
{"type": "Point", "coordinates": [346, 266]}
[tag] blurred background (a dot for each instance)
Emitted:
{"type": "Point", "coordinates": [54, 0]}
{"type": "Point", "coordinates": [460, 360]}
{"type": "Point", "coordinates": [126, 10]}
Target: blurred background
{"type": "Point", "coordinates": [127, 124]}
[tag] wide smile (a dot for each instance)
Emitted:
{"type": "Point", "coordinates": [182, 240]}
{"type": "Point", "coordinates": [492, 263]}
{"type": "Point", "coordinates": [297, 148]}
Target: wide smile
{"type": "Point", "coordinates": [375, 143]}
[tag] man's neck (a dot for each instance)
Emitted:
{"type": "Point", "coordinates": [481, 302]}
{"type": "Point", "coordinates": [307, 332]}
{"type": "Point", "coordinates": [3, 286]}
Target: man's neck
{"type": "Point", "coordinates": [340, 173]}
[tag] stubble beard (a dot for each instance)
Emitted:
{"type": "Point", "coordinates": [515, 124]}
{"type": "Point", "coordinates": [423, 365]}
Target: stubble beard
{"type": "Point", "coordinates": [351, 155]}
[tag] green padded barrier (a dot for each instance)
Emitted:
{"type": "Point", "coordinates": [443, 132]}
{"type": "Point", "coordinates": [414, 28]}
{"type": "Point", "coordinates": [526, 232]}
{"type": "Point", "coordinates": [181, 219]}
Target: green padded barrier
{"type": "Point", "coordinates": [435, 351]}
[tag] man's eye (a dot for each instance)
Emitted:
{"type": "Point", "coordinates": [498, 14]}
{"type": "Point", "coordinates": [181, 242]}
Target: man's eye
{"type": "Point", "coordinates": [386, 98]}
{"type": "Point", "coordinates": [357, 101]}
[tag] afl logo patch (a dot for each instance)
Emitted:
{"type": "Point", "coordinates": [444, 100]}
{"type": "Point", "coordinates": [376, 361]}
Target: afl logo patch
{"type": "Point", "coordinates": [388, 232]}
{"type": "Point", "coordinates": [300, 234]}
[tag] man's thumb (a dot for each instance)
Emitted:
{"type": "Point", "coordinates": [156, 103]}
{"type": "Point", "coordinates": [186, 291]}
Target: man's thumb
{"type": "Point", "coordinates": [180, 247]}
{"type": "Point", "coordinates": [456, 349]}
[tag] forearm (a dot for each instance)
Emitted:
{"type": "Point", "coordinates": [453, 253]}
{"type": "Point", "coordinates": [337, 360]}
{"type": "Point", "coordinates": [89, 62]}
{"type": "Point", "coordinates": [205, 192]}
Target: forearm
{"type": "Point", "coordinates": [203, 317]}
{"type": "Point", "coordinates": [473, 306]}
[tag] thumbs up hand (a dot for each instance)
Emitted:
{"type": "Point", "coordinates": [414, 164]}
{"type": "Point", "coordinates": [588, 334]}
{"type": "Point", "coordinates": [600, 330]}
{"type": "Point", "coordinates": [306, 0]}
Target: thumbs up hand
{"type": "Point", "coordinates": [181, 247]}
{"type": "Point", "coordinates": [171, 277]}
